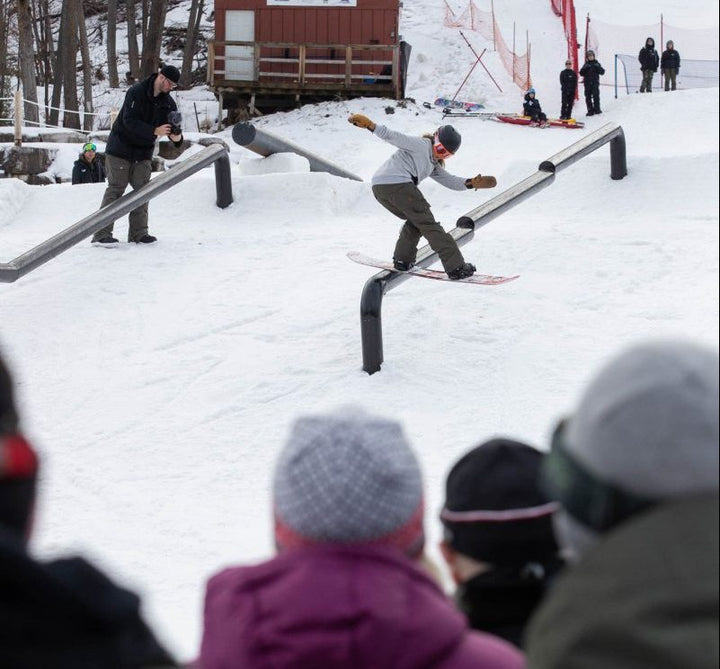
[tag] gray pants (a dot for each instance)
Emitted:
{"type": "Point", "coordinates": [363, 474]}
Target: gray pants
{"type": "Point", "coordinates": [407, 202]}
{"type": "Point", "coordinates": [670, 75]}
{"type": "Point", "coordinates": [120, 173]}
{"type": "Point", "coordinates": [646, 85]}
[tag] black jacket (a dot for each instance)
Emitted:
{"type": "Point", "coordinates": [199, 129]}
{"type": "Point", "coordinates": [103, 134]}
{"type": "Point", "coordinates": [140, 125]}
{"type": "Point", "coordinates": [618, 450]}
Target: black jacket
{"type": "Point", "coordinates": [88, 173]}
{"type": "Point", "coordinates": [648, 57]}
{"type": "Point", "coordinates": [670, 60]}
{"type": "Point", "coordinates": [591, 71]}
{"type": "Point", "coordinates": [568, 81]}
{"type": "Point", "coordinates": [133, 134]}
{"type": "Point", "coordinates": [67, 615]}
{"type": "Point", "coordinates": [531, 107]}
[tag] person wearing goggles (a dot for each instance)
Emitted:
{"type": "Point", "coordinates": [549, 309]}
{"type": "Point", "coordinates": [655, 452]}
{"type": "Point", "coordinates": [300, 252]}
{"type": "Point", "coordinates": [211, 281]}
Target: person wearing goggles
{"type": "Point", "coordinates": [89, 167]}
{"type": "Point", "coordinates": [395, 187]}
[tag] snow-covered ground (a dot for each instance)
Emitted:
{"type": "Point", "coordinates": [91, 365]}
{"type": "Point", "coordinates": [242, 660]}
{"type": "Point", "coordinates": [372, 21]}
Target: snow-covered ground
{"type": "Point", "coordinates": [158, 383]}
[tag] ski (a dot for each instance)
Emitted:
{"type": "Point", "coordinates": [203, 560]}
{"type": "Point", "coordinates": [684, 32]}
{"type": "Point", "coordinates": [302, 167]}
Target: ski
{"type": "Point", "coordinates": [519, 119]}
{"type": "Point", "coordinates": [479, 279]}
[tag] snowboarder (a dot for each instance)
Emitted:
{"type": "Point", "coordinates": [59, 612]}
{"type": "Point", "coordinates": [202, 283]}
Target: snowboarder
{"type": "Point", "coordinates": [591, 72]}
{"type": "Point", "coordinates": [649, 61]}
{"type": "Point", "coordinates": [532, 108]}
{"type": "Point", "coordinates": [394, 186]}
{"type": "Point", "coordinates": [670, 64]}
{"type": "Point", "coordinates": [568, 89]}
{"type": "Point", "coordinates": [88, 168]}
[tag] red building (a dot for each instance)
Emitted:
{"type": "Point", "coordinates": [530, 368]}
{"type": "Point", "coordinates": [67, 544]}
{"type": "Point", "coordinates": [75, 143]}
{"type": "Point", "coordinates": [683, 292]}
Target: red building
{"type": "Point", "coordinates": [274, 53]}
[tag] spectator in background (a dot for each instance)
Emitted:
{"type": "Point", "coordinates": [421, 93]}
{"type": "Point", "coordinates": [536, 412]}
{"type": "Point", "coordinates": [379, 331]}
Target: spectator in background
{"type": "Point", "coordinates": [88, 168]}
{"type": "Point", "coordinates": [568, 89]}
{"type": "Point", "coordinates": [346, 590]}
{"type": "Point", "coordinates": [591, 71]}
{"type": "Point", "coordinates": [532, 108]}
{"type": "Point", "coordinates": [63, 614]}
{"type": "Point", "coordinates": [670, 64]}
{"type": "Point", "coordinates": [498, 537]}
{"type": "Point", "coordinates": [649, 61]}
{"type": "Point", "coordinates": [635, 469]}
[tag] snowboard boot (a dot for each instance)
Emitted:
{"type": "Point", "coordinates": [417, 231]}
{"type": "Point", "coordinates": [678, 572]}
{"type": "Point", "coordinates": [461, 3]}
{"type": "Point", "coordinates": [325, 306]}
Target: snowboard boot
{"type": "Point", "coordinates": [146, 239]}
{"type": "Point", "coordinates": [402, 265]}
{"type": "Point", "coordinates": [463, 272]}
{"type": "Point", "coordinates": [107, 240]}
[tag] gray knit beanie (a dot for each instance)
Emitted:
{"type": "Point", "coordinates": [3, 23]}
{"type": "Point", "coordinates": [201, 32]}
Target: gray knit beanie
{"type": "Point", "coordinates": [348, 477]}
{"type": "Point", "coordinates": [648, 422]}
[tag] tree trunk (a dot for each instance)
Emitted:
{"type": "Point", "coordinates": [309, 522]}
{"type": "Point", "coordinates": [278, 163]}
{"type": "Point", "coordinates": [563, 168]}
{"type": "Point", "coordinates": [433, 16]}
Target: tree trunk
{"type": "Point", "coordinates": [113, 79]}
{"type": "Point", "coordinates": [190, 40]}
{"type": "Point", "coordinates": [58, 72]}
{"type": "Point", "coordinates": [153, 41]}
{"type": "Point", "coordinates": [26, 60]}
{"type": "Point", "coordinates": [87, 70]}
{"type": "Point", "coordinates": [4, 65]}
{"type": "Point", "coordinates": [68, 44]}
{"type": "Point", "coordinates": [133, 51]}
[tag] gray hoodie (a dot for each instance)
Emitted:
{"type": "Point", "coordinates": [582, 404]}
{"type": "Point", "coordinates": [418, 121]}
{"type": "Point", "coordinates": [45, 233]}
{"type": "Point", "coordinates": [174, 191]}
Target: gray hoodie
{"type": "Point", "coordinates": [412, 163]}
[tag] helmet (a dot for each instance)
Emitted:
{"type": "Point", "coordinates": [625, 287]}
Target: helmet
{"type": "Point", "coordinates": [449, 138]}
{"type": "Point", "coordinates": [531, 91]}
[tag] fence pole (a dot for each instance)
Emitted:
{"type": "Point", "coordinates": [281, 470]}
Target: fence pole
{"type": "Point", "coordinates": [18, 118]}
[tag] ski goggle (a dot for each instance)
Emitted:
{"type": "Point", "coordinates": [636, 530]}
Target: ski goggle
{"type": "Point", "coordinates": [89, 147]}
{"type": "Point", "coordinates": [439, 148]}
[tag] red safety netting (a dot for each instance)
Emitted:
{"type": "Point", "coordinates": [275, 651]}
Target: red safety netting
{"type": "Point", "coordinates": [565, 9]}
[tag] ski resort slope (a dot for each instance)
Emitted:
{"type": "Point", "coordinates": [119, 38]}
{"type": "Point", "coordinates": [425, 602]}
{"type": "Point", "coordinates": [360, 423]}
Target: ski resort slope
{"type": "Point", "coordinates": [159, 383]}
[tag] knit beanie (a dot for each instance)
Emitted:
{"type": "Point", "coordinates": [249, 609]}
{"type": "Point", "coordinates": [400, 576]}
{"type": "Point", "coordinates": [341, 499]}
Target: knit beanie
{"type": "Point", "coordinates": [449, 138]}
{"type": "Point", "coordinates": [348, 477]}
{"type": "Point", "coordinates": [494, 509]}
{"type": "Point", "coordinates": [171, 72]}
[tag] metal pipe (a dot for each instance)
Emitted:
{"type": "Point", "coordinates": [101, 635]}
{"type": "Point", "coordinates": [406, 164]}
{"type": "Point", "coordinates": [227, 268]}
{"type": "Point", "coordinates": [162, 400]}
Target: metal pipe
{"type": "Point", "coordinates": [266, 144]}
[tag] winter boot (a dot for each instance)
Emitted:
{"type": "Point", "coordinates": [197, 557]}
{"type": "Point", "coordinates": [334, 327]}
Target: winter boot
{"type": "Point", "coordinates": [463, 272]}
{"type": "Point", "coordinates": [107, 240]}
{"type": "Point", "coordinates": [146, 239]}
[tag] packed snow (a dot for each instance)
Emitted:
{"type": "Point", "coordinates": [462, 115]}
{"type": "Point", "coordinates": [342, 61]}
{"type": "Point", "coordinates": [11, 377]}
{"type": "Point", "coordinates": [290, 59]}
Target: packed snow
{"type": "Point", "coordinates": [159, 382]}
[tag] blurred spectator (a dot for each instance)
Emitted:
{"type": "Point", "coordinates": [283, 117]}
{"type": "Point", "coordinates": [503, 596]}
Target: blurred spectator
{"type": "Point", "coordinates": [498, 538]}
{"type": "Point", "coordinates": [346, 590]}
{"type": "Point", "coordinates": [649, 61]}
{"type": "Point", "coordinates": [568, 89]}
{"type": "Point", "coordinates": [670, 64]}
{"type": "Point", "coordinates": [63, 614]}
{"type": "Point", "coordinates": [635, 469]}
{"type": "Point", "coordinates": [591, 72]}
{"type": "Point", "coordinates": [88, 168]}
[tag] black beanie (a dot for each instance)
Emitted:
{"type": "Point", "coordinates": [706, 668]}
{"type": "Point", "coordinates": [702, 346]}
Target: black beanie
{"type": "Point", "coordinates": [449, 138]}
{"type": "Point", "coordinates": [494, 509]}
{"type": "Point", "coordinates": [171, 72]}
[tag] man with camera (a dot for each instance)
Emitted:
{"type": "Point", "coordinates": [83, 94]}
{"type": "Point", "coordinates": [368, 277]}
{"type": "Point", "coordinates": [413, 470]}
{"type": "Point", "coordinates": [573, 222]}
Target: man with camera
{"type": "Point", "coordinates": [148, 112]}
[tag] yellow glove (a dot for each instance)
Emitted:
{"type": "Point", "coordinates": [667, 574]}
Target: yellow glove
{"type": "Point", "coordinates": [480, 181]}
{"type": "Point", "coordinates": [361, 121]}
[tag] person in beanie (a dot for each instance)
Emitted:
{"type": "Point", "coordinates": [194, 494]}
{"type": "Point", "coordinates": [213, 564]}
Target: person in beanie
{"type": "Point", "coordinates": [395, 187]}
{"type": "Point", "coordinates": [88, 168]}
{"type": "Point", "coordinates": [635, 469]}
{"type": "Point", "coordinates": [498, 537]}
{"type": "Point", "coordinates": [568, 89]}
{"type": "Point", "coordinates": [62, 614]}
{"type": "Point", "coordinates": [670, 65]}
{"type": "Point", "coordinates": [145, 116]}
{"type": "Point", "coordinates": [346, 589]}
{"type": "Point", "coordinates": [591, 71]}
{"type": "Point", "coordinates": [532, 108]}
{"type": "Point", "coordinates": [649, 61]}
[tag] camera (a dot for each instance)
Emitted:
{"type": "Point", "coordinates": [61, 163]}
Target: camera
{"type": "Point", "coordinates": [175, 121]}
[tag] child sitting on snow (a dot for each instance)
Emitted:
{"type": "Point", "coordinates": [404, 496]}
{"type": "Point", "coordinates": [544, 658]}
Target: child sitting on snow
{"type": "Point", "coordinates": [532, 108]}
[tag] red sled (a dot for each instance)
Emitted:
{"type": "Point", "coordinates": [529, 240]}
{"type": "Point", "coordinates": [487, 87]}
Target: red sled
{"type": "Point", "coordinates": [518, 119]}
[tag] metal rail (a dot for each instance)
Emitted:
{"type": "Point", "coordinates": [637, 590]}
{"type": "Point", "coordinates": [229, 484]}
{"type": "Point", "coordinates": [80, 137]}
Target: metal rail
{"type": "Point", "coordinates": [376, 287]}
{"type": "Point", "coordinates": [89, 225]}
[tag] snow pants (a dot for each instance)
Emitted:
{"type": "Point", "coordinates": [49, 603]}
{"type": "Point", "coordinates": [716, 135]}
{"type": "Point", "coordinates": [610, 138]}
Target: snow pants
{"type": "Point", "coordinates": [670, 75]}
{"type": "Point", "coordinates": [407, 202]}
{"type": "Point", "coordinates": [120, 174]}
{"type": "Point", "coordinates": [646, 85]}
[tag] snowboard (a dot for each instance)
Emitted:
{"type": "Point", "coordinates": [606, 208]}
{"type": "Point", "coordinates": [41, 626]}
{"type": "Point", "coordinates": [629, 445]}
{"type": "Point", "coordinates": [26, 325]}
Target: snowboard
{"type": "Point", "coordinates": [447, 103]}
{"type": "Point", "coordinates": [480, 279]}
{"type": "Point", "coordinates": [519, 119]}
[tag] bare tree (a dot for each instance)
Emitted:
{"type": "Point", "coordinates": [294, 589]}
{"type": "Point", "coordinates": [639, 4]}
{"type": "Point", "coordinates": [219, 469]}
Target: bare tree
{"type": "Point", "coordinates": [153, 40]}
{"type": "Point", "coordinates": [111, 49]}
{"type": "Point", "coordinates": [133, 51]}
{"type": "Point", "coordinates": [5, 79]}
{"type": "Point", "coordinates": [26, 59]}
{"type": "Point", "coordinates": [67, 50]}
{"type": "Point", "coordinates": [87, 69]}
{"type": "Point", "coordinates": [196, 9]}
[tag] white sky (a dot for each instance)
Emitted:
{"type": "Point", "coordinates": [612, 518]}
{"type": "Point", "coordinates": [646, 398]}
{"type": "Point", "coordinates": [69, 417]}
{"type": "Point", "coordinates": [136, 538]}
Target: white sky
{"type": "Point", "coordinates": [158, 382]}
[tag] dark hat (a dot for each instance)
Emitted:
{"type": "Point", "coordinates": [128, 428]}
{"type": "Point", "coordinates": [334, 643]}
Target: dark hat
{"type": "Point", "coordinates": [348, 477]}
{"type": "Point", "coordinates": [171, 72]}
{"type": "Point", "coordinates": [494, 509]}
{"type": "Point", "coordinates": [449, 138]}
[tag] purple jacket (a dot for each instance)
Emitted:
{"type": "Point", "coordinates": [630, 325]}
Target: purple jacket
{"type": "Point", "coordinates": [329, 607]}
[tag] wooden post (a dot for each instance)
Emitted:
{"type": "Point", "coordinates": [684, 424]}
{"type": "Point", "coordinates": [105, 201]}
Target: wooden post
{"type": "Point", "coordinates": [18, 118]}
{"type": "Point", "coordinates": [348, 66]}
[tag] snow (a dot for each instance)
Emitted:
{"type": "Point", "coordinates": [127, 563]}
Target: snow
{"type": "Point", "coordinates": [159, 382]}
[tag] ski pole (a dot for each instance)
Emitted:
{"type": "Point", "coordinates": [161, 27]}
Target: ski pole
{"type": "Point", "coordinates": [468, 74]}
{"type": "Point", "coordinates": [481, 63]}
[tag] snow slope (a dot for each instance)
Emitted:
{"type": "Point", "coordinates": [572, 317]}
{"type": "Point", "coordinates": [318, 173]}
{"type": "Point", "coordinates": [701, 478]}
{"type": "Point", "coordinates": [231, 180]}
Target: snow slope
{"type": "Point", "coordinates": [158, 383]}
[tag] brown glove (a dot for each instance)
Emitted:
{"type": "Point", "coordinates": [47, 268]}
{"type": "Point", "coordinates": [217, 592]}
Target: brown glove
{"type": "Point", "coordinates": [361, 121]}
{"type": "Point", "coordinates": [480, 181]}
